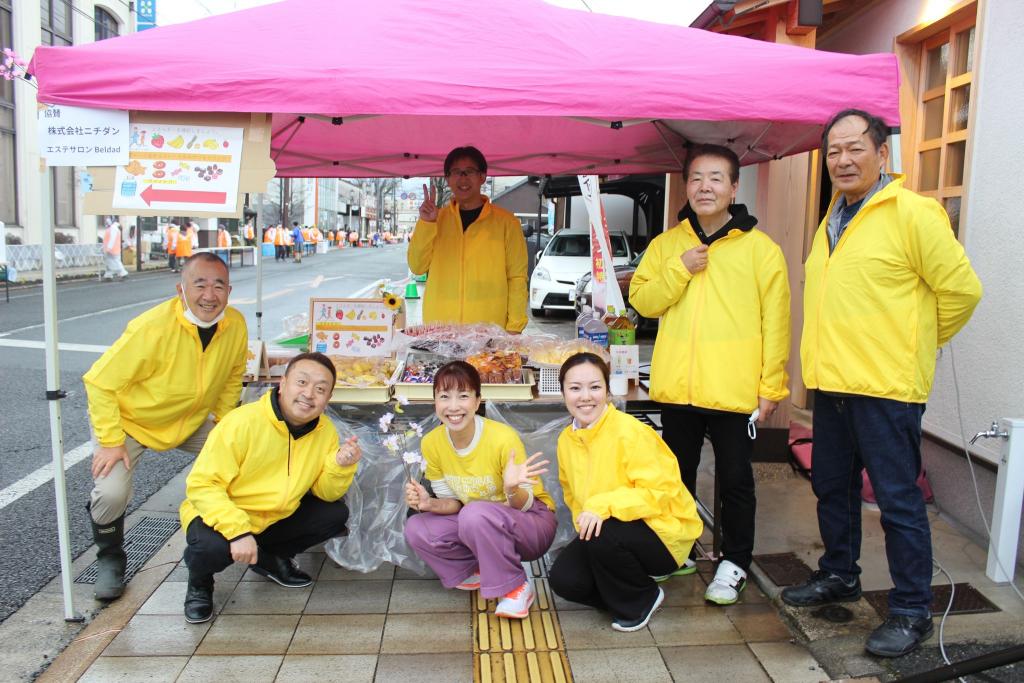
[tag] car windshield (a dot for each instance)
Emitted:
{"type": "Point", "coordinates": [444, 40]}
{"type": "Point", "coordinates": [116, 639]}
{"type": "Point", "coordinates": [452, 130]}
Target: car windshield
{"type": "Point", "coordinates": [578, 244]}
{"type": "Point", "coordinates": [636, 259]}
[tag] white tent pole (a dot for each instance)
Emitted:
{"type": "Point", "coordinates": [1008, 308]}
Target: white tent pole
{"type": "Point", "coordinates": [259, 275]}
{"type": "Point", "coordinates": [54, 394]}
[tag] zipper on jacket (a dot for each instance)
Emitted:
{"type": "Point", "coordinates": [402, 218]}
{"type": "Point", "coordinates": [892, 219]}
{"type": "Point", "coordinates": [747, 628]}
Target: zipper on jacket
{"type": "Point", "coordinates": [817, 333]}
{"type": "Point", "coordinates": [199, 388]}
{"type": "Point", "coordinates": [693, 340]}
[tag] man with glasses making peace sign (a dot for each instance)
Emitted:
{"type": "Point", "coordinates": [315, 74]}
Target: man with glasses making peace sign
{"type": "Point", "coordinates": [475, 252]}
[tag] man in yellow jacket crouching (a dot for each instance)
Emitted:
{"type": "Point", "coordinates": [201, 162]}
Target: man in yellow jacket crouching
{"type": "Point", "coordinates": [474, 251]}
{"type": "Point", "coordinates": [174, 367]}
{"type": "Point", "coordinates": [887, 283]}
{"type": "Point", "coordinates": [267, 485]}
{"type": "Point", "coordinates": [719, 286]}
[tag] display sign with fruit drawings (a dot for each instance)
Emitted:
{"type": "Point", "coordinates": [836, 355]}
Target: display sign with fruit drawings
{"type": "Point", "coordinates": [256, 360]}
{"type": "Point", "coordinates": [352, 327]}
{"type": "Point", "coordinates": [187, 168]}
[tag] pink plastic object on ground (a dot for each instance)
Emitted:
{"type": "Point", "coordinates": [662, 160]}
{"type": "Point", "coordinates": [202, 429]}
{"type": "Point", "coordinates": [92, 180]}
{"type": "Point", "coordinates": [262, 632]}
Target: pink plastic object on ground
{"type": "Point", "coordinates": [538, 88]}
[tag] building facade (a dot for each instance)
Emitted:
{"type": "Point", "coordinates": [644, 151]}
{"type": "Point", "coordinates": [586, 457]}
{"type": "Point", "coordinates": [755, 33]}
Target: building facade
{"type": "Point", "coordinates": [25, 25]}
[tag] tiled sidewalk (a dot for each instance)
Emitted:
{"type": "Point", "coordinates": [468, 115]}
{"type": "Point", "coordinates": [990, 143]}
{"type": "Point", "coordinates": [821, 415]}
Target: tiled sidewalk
{"type": "Point", "coordinates": [393, 625]}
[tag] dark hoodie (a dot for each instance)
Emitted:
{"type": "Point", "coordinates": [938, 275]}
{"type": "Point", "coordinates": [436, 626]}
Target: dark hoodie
{"type": "Point", "coordinates": [740, 220]}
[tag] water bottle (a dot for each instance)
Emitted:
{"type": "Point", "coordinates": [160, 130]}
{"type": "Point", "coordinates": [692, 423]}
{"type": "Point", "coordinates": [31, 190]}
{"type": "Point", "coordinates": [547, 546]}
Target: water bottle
{"type": "Point", "coordinates": [585, 315]}
{"type": "Point", "coordinates": [595, 331]}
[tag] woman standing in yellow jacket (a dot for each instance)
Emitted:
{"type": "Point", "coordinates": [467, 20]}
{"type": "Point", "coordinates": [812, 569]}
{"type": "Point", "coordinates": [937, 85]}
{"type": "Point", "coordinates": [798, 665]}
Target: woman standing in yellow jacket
{"type": "Point", "coordinates": [475, 252]}
{"type": "Point", "coordinates": [637, 523]}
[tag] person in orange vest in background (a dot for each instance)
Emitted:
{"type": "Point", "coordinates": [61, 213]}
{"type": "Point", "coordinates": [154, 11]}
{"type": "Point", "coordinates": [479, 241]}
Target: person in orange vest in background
{"type": "Point", "coordinates": [223, 238]}
{"type": "Point", "coordinates": [341, 235]}
{"type": "Point", "coordinates": [353, 238]}
{"type": "Point", "coordinates": [268, 235]}
{"type": "Point", "coordinates": [279, 250]}
{"type": "Point", "coordinates": [307, 237]}
{"type": "Point", "coordinates": [330, 237]}
{"type": "Point", "coordinates": [250, 235]}
{"type": "Point", "coordinates": [112, 251]}
{"type": "Point", "coordinates": [171, 245]}
{"type": "Point", "coordinates": [184, 247]}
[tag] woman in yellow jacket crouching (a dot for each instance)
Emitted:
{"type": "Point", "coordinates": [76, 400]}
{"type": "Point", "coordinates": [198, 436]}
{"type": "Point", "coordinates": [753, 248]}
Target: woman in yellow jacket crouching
{"type": "Point", "coordinates": [636, 520]}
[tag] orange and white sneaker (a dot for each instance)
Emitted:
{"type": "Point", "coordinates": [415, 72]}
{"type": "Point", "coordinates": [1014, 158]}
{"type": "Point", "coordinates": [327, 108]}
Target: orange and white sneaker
{"type": "Point", "coordinates": [516, 603]}
{"type": "Point", "coordinates": [470, 583]}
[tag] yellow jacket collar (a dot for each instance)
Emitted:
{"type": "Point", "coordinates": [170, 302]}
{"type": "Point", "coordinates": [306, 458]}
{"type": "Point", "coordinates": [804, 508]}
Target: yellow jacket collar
{"type": "Point", "coordinates": [886, 193]}
{"type": "Point", "coordinates": [588, 434]}
{"type": "Point", "coordinates": [484, 210]}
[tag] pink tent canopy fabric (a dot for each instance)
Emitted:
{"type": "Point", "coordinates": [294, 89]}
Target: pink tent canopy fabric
{"type": "Point", "coordinates": [386, 88]}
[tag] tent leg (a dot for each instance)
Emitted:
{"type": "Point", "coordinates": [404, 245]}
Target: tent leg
{"type": "Point", "coordinates": [259, 279]}
{"type": "Point", "coordinates": [53, 395]}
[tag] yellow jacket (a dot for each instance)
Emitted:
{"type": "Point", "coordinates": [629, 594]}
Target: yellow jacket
{"type": "Point", "coordinates": [619, 467]}
{"type": "Point", "coordinates": [252, 472]}
{"type": "Point", "coordinates": [723, 339]}
{"type": "Point", "coordinates": [475, 276]}
{"type": "Point", "coordinates": [897, 286]}
{"type": "Point", "coordinates": [156, 382]}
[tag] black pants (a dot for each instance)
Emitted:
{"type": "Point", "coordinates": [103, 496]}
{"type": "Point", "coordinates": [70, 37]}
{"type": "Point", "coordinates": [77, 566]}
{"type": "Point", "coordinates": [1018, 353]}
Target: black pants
{"type": "Point", "coordinates": [683, 430]}
{"type": "Point", "coordinates": [313, 522]}
{"type": "Point", "coordinates": [279, 252]}
{"type": "Point", "coordinates": [172, 261]}
{"type": "Point", "coordinates": [613, 571]}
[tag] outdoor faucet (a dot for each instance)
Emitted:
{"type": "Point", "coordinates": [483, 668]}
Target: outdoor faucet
{"type": "Point", "coordinates": [993, 432]}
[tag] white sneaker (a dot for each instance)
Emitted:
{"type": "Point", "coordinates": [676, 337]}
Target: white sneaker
{"type": "Point", "coordinates": [470, 583]}
{"type": "Point", "coordinates": [725, 588]}
{"type": "Point", "coordinates": [516, 603]}
{"type": "Point", "coordinates": [689, 567]}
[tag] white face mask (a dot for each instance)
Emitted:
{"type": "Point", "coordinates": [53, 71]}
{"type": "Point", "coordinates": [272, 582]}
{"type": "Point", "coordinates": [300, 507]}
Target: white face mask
{"type": "Point", "coordinates": [191, 317]}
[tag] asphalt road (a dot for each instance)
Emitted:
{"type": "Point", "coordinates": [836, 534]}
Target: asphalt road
{"type": "Point", "coordinates": [94, 313]}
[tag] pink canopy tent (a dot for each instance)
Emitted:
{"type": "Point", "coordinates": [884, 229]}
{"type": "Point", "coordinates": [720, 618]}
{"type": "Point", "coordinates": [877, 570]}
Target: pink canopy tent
{"type": "Point", "coordinates": [386, 88]}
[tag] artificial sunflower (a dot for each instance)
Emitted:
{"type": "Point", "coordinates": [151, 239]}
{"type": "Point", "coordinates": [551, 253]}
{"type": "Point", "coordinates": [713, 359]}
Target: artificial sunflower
{"type": "Point", "coordinates": [393, 301]}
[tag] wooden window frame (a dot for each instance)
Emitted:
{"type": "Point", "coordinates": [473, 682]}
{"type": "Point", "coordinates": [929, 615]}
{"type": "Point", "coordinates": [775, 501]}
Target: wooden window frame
{"type": "Point", "coordinates": [912, 49]}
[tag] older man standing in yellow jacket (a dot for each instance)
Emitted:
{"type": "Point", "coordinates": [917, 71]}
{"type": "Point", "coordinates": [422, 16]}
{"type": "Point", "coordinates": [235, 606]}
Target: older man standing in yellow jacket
{"type": "Point", "coordinates": [720, 288]}
{"type": "Point", "coordinates": [474, 252]}
{"type": "Point", "coordinates": [174, 367]}
{"type": "Point", "coordinates": [267, 485]}
{"type": "Point", "coordinates": [887, 283]}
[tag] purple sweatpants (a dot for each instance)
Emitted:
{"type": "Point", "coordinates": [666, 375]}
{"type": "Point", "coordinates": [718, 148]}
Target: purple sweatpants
{"type": "Point", "coordinates": [491, 537]}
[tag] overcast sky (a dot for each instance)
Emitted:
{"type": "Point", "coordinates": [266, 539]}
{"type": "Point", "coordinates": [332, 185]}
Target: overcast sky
{"type": "Point", "coordinates": [680, 12]}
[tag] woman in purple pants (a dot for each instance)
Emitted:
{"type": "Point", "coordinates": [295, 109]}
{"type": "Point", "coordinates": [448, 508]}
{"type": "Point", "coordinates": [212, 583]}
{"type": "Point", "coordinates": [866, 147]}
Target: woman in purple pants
{"type": "Point", "coordinates": [490, 512]}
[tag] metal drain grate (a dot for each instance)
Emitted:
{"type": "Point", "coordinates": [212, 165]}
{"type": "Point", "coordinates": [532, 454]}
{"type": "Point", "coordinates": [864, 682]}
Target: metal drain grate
{"type": "Point", "coordinates": [966, 600]}
{"type": "Point", "coordinates": [784, 569]}
{"type": "Point", "coordinates": [140, 543]}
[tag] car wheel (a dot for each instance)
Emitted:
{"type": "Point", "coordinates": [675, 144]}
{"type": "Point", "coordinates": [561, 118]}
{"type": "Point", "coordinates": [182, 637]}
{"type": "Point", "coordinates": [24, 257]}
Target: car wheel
{"type": "Point", "coordinates": [537, 312]}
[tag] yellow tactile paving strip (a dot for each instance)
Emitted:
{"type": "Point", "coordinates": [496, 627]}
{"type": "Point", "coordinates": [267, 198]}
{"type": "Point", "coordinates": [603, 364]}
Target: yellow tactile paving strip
{"type": "Point", "coordinates": [528, 651]}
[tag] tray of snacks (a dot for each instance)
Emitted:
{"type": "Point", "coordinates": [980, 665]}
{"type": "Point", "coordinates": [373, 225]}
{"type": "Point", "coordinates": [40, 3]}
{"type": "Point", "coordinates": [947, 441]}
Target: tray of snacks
{"type": "Point", "coordinates": [416, 375]}
{"type": "Point", "coordinates": [548, 359]}
{"type": "Point", "coordinates": [502, 376]}
{"type": "Point", "coordinates": [363, 380]}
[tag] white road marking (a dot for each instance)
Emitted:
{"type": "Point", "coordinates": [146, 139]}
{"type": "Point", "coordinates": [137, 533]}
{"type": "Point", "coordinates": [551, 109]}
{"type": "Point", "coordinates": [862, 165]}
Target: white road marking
{"type": "Point", "coordinates": [28, 344]}
{"type": "Point", "coordinates": [31, 482]}
{"type": "Point", "coordinates": [88, 315]}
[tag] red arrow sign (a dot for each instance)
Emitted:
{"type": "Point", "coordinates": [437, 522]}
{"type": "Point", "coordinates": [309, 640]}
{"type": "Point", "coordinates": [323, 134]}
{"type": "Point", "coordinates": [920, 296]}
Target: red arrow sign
{"type": "Point", "coordinates": [149, 195]}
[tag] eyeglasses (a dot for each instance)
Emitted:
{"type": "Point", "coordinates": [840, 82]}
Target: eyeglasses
{"type": "Point", "coordinates": [463, 172]}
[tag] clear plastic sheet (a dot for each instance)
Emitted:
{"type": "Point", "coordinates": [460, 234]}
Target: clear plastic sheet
{"type": "Point", "coordinates": [295, 325]}
{"type": "Point", "coordinates": [376, 498]}
{"type": "Point", "coordinates": [539, 425]}
{"type": "Point", "coordinates": [457, 341]}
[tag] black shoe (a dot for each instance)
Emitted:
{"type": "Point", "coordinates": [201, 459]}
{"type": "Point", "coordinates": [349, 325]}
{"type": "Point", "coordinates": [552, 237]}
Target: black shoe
{"type": "Point", "coordinates": [821, 589]}
{"type": "Point", "coordinates": [629, 625]}
{"type": "Point", "coordinates": [111, 559]}
{"type": "Point", "coordinates": [899, 635]}
{"type": "Point", "coordinates": [199, 599]}
{"type": "Point", "coordinates": [280, 570]}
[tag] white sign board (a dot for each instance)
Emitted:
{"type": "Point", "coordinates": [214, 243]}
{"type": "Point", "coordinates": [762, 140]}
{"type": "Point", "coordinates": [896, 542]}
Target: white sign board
{"type": "Point", "coordinates": [187, 168]}
{"type": "Point", "coordinates": [76, 136]}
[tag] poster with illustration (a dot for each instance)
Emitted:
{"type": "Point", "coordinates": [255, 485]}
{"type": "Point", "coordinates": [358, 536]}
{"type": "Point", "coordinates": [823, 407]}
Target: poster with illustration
{"type": "Point", "coordinates": [353, 327]}
{"type": "Point", "coordinates": [186, 168]}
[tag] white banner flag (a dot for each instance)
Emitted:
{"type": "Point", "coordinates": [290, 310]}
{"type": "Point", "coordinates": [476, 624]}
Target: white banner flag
{"type": "Point", "coordinates": [604, 285]}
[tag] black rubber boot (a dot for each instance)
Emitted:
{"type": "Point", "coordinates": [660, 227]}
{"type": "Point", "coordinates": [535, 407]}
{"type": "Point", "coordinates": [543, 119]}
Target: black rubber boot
{"type": "Point", "coordinates": [110, 559]}
{"type": "Point", "coordinates": [199, 598]}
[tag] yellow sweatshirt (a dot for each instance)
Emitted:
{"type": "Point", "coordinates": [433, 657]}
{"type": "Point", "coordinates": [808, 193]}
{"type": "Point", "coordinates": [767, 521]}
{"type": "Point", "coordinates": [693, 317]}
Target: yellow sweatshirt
{"type": "Point", "coordinates": [156, 382]}
{"type": "Point", "coordinates": [474, 276]}
{"type": "Point", "coordinates": [253, 472]}
{"type": "Point", "coordinates": [479, 474]}
{"type": "Point", "coordinates": [723, 339]}
{"type": "Point", "coordinates": [897, 286]}
{"type": "Point", "coordinates": [619, 467]}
